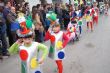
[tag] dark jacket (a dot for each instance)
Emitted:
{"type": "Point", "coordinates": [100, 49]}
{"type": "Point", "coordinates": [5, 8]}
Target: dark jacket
{"type": "Point", "coordinates": [2, 24]}
{"type": "Point", "coordinates": [5, 12]}
{"type": "Point", "coordinates": [11, 17]}
{"type": "Point", "coordinates": [58, 11]}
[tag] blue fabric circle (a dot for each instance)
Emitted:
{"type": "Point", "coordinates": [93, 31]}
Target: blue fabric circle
{"type": "Point", "coordinates": [38, 72]}
{"type": "Point", "coordinates": [61, 55]}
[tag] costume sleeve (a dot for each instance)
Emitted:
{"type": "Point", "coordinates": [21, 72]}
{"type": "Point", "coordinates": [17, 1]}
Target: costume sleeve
{"type": "Point", "coordinates": [44, 49]}
{"type": "Point", "coordinates": [13, 49]}
{"type": "Point", "coordinates": [65, 40]}
{"type": "Point", "coordinates": [47, 36]}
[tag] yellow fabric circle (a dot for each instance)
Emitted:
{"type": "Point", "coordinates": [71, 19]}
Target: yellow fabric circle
{"type": "Point", "coordinates": [88, 18]}
{"type": "Point", "coordinates": [34, 63]}
{"type": "Point", "coordinates": [59, 44]}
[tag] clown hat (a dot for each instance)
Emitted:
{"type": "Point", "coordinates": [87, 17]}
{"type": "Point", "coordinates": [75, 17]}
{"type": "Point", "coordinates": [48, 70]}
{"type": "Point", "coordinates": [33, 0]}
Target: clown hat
{"type": "Point", "coordinates": [75, 4]}
{"type": "Point", "coordinates": [88, 3]}
{"type": "Point", "coordinates": [52, 16]}
{"type": "Point", "coordinates": [24, 33]}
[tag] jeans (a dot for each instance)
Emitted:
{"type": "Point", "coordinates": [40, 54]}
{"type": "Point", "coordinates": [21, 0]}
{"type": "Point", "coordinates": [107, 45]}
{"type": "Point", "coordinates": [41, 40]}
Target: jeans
{"type": "Point", "coordinates": [0, 47]}
{"type": "Point", "coordinates": [39, 36]}
{"type": "Point", "coordinates": [4, 43]}
{"type": "Point", "coordinates": [14, 36]}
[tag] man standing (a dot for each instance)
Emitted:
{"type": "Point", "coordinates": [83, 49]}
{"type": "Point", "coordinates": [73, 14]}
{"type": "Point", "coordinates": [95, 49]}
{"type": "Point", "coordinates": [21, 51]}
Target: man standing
{"type": "Point", "coordinates": [5, 13]}
{"type": "Point", "coordinates": [3, 43]}
{"type": "Point", "coordinates": [11, 17]}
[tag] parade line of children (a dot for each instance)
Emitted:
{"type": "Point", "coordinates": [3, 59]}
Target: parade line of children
{"type": "Point", "coordinates": [28, 48]}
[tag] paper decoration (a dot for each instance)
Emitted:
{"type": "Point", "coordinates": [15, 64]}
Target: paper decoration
{"type": "Point", "coordinates": [88, 18]}
{"type": "Point", "coordinates": [34, 63]}
{"type": "Point", "coordinates": [51, 52]}
{"type": "Point", "coordinates": [38, 72]}
{"type": "Point", "coordinates": [80, 23]}
{"type": "Point", "coordinates": [52, 38]}
{"type": "Point", "coordinates": [61, 55]}
{"type": "Point", "coordinates": [59, 44]}
{"type": "Point", "coordinates": [23, 55]}
{"type": "Point", "coordinates": [51, 49]}
{"type": "Point", "coordinates": [23, 66]}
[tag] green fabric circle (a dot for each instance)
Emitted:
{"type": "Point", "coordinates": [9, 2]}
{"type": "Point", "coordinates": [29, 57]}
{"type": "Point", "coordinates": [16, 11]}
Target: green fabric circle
{"type": "Point", "coordinates": [80, 23]}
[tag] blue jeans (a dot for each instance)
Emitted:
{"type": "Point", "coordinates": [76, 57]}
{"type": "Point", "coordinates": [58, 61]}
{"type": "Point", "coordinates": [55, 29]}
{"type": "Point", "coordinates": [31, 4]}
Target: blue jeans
{"type": "Point", "coordinates": [39, 36]}
{"type": "Point", "coordinates": [4, 43]}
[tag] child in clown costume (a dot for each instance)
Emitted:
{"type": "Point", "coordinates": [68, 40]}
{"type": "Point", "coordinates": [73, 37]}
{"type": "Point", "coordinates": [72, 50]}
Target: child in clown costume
{"type": "Point", "coordinates": [75, 21]}
{"type": "Point", "coordinates": [58, 41]}
{"type": "Point", "coordinates": [78, 16]}
{"type": "Point", "coordinates": [71, 31]}
{"type": "Point", "coordinates": [52, 17]}
{"type": "Point", "coordinates": [96, 13]}
{"type": "Point", "coordinates": [89, 16]}
{"type": "Point", "coordinates": [28, 51]}
{"type": "Point", "coordinates": [106, 7]}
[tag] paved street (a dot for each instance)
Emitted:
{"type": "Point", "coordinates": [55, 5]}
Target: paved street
{"type": "Point", "coordinates": [89, 55]}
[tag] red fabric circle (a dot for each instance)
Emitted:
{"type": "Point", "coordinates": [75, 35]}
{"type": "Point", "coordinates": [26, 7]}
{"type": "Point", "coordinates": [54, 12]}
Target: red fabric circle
{"type": "Point", "coordinates": [52, 38]}
{"type": "Point", "coordinates": [23, 55]}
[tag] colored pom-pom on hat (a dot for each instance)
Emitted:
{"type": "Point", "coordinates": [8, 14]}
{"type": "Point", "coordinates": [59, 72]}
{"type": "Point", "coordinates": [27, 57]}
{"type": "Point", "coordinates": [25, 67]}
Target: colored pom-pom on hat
{"type": "Point", "coordinates": [52, 16]}
{"type": "Point", "coordinates": [88, 3]}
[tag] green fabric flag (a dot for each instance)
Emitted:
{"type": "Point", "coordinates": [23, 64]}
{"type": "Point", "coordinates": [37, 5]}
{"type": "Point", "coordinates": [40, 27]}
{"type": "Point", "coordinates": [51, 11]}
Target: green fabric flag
{"type": "Point", "coordinates": [23, 67]}
{"type": "Point", "coordinates": [51, 49]}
